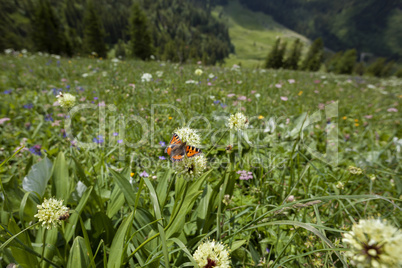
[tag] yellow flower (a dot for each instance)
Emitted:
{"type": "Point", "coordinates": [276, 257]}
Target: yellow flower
{"type": "Point", "coordinates": [170, 118]}
{"type": "Point", "coordinates": [132, 174]}
{"type": "Point", "coordinates": [344, 118]}
{"type": "Point", "coordinates": [300, 93]}
{"type": "Point", "coordinates": [356, 124]}
{"type": "Point", "coordinates": [356, 120]}
{"type": "Point", "coordinates": [261, 117]}
{"type": "Point", "coordinates": [198, 72]}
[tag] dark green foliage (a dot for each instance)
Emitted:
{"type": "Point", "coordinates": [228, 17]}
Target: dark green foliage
{"type": "Point", "coordinates": [331, 63]}
{"type": "Point", "coordinates": [275, 57]}
{"type": "Point", "coordinates": [380, 68]}
{"type": "Point", "coordinates": [346, 63]}
{"type": "Point", "coordinates": [292, 61]}
{"type": "Point", "coordinates": [120, 50]}
{"type": "Point", "coordinates": [140, 36]}
{"type": "Point", "coordinates": [47, 32]}
{"type": "Point", "coordinates": [398, 73]}
{"type": "Point", "coordinates": [314, 56]}
{"type": "Point", "coordinates": [372, 26]}
{"type": "Point", "coordinates": [93, 32]}
{"type": "Point", "coordinates": [359, 68]}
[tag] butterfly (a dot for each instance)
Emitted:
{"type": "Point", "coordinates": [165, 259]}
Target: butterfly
{"type": "Point", "coordinates": [177, 149]}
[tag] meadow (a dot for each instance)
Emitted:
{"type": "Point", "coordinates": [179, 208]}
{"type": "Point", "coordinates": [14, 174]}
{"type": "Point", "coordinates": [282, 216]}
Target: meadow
{"type": "Point", "coordinates": [320, 153]}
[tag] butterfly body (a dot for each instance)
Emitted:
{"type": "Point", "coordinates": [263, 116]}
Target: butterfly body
{"type": "Point", "coordinates": [178, 150]}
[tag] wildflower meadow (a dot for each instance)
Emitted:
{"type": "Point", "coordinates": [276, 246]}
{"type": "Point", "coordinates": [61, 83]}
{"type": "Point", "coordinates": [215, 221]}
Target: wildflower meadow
{"type": "Point", "coordinates": [125, 163]}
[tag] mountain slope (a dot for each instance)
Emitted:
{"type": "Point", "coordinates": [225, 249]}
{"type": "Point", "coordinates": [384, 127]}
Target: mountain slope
{"type": "Point", "coordinates": [252, 34]}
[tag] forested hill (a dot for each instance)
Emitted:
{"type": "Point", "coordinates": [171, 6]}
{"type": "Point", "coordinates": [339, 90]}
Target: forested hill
{"type": "Point", "coordinates": [179, 29]}
{"type": "Point", "coordinates": [373, 26]}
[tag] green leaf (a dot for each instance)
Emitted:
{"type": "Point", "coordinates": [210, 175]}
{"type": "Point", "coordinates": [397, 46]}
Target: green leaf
{"type": "Point", "coordinates": [38, 176]}
{"type": "Point", "coordinates": [115, 203]}
{"type": "Point", "coordinates": [20, 255]}
{"type": "Point", "coordinates": [79, 256]}
{"type": "Point", "coordinates": [72, 221]}
{"type": "Point", "coordinates": [116, 250]}
{"type": "Point", "coordinates": [125, 186]}
{"type": "Point", "coordinates": [237, 244]}
{"type": "Point", "coordinates": [61, 184]}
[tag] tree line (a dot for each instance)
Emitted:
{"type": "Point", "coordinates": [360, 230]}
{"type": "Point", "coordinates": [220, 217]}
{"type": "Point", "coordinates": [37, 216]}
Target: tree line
{"type": "Point", "coordinates": [175, 30]}
{"type": "Point", "coordinates": [342, 62]}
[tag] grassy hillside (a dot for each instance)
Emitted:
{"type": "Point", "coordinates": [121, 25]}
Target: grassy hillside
{"type": "Point", "coordinates": [252, 33]}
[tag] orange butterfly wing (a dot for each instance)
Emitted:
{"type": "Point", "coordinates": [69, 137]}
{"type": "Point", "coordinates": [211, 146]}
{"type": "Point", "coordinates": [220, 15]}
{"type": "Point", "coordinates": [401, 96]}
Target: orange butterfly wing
{"type": "Point", "coordinates": [192, 151]}
{"type": "Point", "coordinates": [177, 158]}
{"type": "Point", "coordinates": [174, 140]}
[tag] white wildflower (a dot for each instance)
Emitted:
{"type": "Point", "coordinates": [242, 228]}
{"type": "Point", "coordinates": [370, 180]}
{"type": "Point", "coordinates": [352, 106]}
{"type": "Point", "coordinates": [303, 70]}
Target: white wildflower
{"type": "Point", "coordinates": [51, 212]}
{"type": "Point", "coordinates": [198, 72]}
{"type": "Point", "coordinates": [212, 254]}
{"type": "Point", "coordinates": [189, 136]}
{"type": "Point", "coordinates": [191, 167]}
{"type": "Point", "coordinates": [374, 243]}
{"type": "Point", "coordinates": [238, 121]}
{"type": "Point", "coordinates": [66, 100]}
{"type": "Point", "coordinates": [146, 77]}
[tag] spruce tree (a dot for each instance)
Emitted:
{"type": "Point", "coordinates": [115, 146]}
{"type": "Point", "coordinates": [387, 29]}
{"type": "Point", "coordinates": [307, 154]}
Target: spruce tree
{"type": "Point", "coordinates": [140, 35]}
{"type": "Point", "coordinates": [93, 32]}
{"type": "Point", "coordinates": [292, 62]}
{"type": "Point", "coordinates": [275, 57]}
{"type": "Point", "coordinates": [314, 56]}
{"type": "Point", "coordinates": [47, 33]}
{"type": "Point", "coordinates": [346, 64]}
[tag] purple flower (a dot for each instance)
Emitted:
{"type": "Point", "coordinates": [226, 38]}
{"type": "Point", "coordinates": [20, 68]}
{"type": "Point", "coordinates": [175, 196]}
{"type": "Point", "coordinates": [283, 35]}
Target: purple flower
{"type": "Point", "coordinates": [49, 117]}
{"type": "Point", "coordinates": [223, 105]}
{"type": "Point", "coordinates": [162, 158]}
{"type": "Point", "coordinates": [162, 143]}
{"type": "Point", "coordinates": [56, 91]}
{"type": "Point", "coordinates": [392, 110]}
{"type": "Point", "coordinates": [68, 86]}
{"type": "Point", "coordinates": [36, 150]}
{"type": "Point", "coordinates": [284, 98]}
{"type": "Point", "coordinates": [95, 98]}
{"type": "Point", "coordinates": [231, 95]}
{"type": "Point", "coordinates": [28, 106]}
{"type": "Point", "coordinates": [7, 91]}
{"type": "Point", "coordinates": [144, 174]}
{"type": "Point", "coordinates": [98, 140]}
{"type": "Point", "coordinates": [115, 134]}
{"type": "Point", "coordinates": [217, 102]}
{"type": "Point", "coordinates": [242, 98]}
{"type": "Point", "coordinates": [119, 141]}
{"type": "Point", "coordinates": [245, 175]}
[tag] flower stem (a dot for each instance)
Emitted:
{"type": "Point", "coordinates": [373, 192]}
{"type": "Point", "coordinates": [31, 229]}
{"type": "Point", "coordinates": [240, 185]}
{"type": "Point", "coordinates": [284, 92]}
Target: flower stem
{"type": "Point", "coordinates": [216, 143]}
{"type": "Point", "coordinates": [44, 245]}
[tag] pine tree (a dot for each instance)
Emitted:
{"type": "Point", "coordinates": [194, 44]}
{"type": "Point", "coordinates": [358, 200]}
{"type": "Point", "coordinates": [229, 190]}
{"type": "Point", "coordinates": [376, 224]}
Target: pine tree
{"type": "Point", "coordinates": [314, 56]}
{"type": "Point", "coordinates": [93, 32]}
{"type": "Point", "coordinates": [347, 62]}
{"type": "Point", "coordinates": [275, 56]}
{"type": "Point", "coordinates": [47, 33]}
{"type": "Point", "coordinates": [292, 62]}
{"type": "Point", "coordinates": [140, 35]}
{"type": "Point", "coordinates": [376, 68]}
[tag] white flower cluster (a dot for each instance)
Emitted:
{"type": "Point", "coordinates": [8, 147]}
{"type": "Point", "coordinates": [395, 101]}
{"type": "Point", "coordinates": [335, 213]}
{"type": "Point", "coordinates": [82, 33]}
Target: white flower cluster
{"type": "Point", "coordinates": [238, 121]}
{"type": "Point", "coordinates": [146, 77]}
{"type": "Point", "coordinates": [355, 170]}
{"type": "Point", "coordinates": [198, 72]}
{"type": "Point", "coordinates": [374, 243]}
{"type": "Point", "coordinates": [192, 167]}
{"type": "Point", "coordinates": [212, 254]}
{"type": "Point", "coordinates": [189, 136]}
{"type": "Point", "coordinates": [50, 212]}
{"type": "Point", "coordinates": [66, 100]}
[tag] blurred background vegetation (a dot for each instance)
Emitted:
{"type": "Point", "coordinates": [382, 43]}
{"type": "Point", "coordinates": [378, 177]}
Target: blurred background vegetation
{"type": "Point", "coordinates": [356, 32]}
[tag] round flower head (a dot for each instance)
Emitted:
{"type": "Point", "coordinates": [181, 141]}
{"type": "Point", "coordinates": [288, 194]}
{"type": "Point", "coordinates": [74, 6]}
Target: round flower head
{"type": "Point", "coordinates": [238, 121]}
{"type": "Point", "coordinates": [198, 72]}
{"type": "Point", "coordinates": [189, 136]}
{"type": "Point", "coordinates": [355, 170]}
{"type": "Point", "coordinates": [212, 254]}
{"type": "Point", "coordinates": [66, 100]}
{"type": "Point", "coordinates": [146, 77]}
{"type": "Point", "coordinates": [51, 212]}
{"type": "Point", "coordinates": [192, 167]}
{"type": "Point", "coordinates": [374, 243]}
